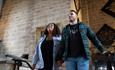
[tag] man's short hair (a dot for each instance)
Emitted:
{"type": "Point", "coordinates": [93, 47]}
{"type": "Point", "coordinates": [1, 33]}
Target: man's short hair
{"type": "Point", "coordinates": [74, 11]}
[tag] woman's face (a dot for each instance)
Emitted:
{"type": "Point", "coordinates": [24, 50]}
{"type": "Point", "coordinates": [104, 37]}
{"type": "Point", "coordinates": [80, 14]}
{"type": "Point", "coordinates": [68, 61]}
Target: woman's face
{"type": "Point", "coordinates": [50, 28]}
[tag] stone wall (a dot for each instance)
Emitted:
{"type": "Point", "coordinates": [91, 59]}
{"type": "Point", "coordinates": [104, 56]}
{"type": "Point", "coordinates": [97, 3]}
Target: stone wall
{"type": "Point", "coordinates": [22, 17]}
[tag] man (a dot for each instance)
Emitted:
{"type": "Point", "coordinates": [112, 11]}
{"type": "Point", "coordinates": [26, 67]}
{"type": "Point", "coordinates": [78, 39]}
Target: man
{"type": "Point", "coordinates": [74, 48]}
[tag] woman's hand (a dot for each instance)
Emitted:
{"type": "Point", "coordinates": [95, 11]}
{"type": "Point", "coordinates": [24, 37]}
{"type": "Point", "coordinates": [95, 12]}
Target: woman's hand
{"type": "Point", "coordinates": [33, 67]}
{"type": "Point", "coordinates": [60, 62]}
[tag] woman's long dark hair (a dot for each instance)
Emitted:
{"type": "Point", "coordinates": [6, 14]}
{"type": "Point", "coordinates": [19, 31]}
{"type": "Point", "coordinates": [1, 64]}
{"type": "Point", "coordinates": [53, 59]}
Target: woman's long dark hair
{"type": "Point", "coordinates": [56, 30]}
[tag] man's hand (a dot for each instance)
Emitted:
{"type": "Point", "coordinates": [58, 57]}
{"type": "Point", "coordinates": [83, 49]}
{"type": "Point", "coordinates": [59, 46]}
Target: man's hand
{"type": "Point", "coordinates": [107, 53]}
{"type": "Point", "coordinates": [104, 52]}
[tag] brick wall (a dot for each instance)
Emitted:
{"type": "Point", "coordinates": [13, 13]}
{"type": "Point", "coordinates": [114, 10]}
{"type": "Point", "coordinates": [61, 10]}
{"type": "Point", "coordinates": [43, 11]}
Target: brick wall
{"type": "Point", "coordinates": [92, 14]}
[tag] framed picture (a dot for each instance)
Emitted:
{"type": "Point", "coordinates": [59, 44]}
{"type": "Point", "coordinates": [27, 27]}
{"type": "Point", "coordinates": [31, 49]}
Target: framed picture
{"type": "Point", "coordinates": [109, 8]}
{"type": "Point", "coordinates": [106, 35]}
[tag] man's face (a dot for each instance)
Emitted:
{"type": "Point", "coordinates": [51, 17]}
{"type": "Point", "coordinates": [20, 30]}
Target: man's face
{"type": "Point", "coordinates": [72, 16]}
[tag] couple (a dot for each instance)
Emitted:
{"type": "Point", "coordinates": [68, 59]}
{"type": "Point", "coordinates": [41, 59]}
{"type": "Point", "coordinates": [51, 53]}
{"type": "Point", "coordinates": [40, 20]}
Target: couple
{"type": "Point", "coordinates": [72, 46]}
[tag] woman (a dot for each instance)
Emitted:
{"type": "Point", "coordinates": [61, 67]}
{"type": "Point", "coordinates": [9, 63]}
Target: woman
{"type": "Point", "coordinates": [46, 49]}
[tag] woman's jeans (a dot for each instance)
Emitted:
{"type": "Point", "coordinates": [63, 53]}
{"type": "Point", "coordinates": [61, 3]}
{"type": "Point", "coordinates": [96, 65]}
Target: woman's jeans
{"type": "Point", "coordinates": [77, 64]}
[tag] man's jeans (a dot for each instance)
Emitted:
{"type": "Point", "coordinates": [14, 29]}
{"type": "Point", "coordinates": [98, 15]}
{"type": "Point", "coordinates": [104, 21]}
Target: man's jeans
{"type": "Point", "coordinates": [77, 64]}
